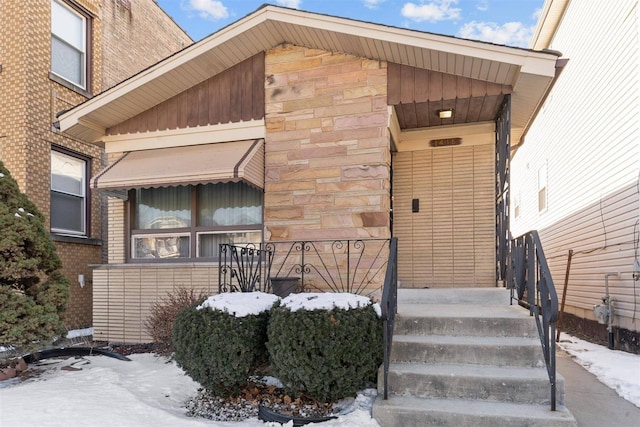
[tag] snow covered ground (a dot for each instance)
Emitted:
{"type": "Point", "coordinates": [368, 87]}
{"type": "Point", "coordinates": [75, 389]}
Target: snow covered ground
{"type": "Point", "coordinates": [150, 391]}
{"type": "Point", "coordinates": [617, 369]}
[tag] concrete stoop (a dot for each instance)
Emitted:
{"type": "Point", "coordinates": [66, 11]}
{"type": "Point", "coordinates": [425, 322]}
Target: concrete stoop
{"type": "Point", "coordinates": [465, 357]}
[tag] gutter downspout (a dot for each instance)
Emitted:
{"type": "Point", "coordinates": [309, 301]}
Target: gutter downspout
{"type": "Point", "coordinates": [608, 302]}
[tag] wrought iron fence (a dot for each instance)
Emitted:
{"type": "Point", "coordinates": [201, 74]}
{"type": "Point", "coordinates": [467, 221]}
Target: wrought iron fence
{"type": "Point", "coordinates": [356, 266]}
{"type": "Point", "coordinates": [244, 268]}
{"type": "Point", "coordinates": [532, 287]}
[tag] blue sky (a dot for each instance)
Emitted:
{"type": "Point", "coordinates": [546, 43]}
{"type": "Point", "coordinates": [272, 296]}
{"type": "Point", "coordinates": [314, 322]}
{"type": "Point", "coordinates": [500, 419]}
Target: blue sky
{"type": "Point", "coordinates": [509, 22]}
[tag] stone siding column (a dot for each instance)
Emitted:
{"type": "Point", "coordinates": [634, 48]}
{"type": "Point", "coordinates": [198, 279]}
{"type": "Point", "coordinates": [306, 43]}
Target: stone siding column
{"type": "Point", "coordinates": [327, 146]}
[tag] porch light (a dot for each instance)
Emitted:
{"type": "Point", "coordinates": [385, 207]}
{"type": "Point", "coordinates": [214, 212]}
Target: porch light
{"type": "Point", "coordinates": [446, 114]}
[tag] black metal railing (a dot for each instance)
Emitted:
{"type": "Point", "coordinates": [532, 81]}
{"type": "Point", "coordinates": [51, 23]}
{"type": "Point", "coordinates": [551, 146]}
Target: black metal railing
{"type": "Point", "coordinates": [532, 287]}
{"type": "Point", "coordinates": [389, 306]}
{"type": "Point", "coordinates": [244, 268]}
{"type": "Point", "coordinates": [356, 266]}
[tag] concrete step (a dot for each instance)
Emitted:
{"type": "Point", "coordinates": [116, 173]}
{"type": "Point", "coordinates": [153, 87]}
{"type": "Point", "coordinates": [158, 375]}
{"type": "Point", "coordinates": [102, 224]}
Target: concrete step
{"type": "Point", "coordinates": [492, 383]}
{"type": "Point", "coordinates": [471, 320]}
{"type": "Point", "coordinates": [410, 411]}
{"type": "Point", "coordinates": [497, 351]}
{"type": "Point", "coordinates": [476, 296]}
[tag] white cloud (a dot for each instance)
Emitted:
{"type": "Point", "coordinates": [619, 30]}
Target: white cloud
{"type": "Point", "coordinates": [483, 5]}
{"type": "Point", "coordinates": [510, 33]}
{"type": "Point", "coordinates": [536, 14]}
{"type": "Point", "coordinates": [434, 11]}
{"type": "Point", "coordinates": [294, 4]}
{"type": "Point", "coordinates": [372, 4]}
{"type": "Point", "coordinates": [207, 9]}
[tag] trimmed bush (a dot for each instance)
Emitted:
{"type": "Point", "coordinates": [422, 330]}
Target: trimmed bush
{"type": "Point", "coordinates": [328, 353]}
{"type": "Point", "coordinates": [219, 349]}
{"type": "Point", "coordinates": [33, 291]}
{"type": "Point", "coordinates": [159, 324]}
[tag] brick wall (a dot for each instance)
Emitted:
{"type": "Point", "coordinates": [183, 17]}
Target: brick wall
{"type": "Point", "coordinates": [327, 146]}
{"type": "Point", "coordinates": [138, 33]}
{"type": "Point", "coordinates": [116, 212]}
{"type": "Point", "coordinates": [30, 101]}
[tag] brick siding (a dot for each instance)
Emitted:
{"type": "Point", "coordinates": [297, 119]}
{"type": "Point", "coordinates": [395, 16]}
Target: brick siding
{"type": "Point", "coordinates": [144, 34]}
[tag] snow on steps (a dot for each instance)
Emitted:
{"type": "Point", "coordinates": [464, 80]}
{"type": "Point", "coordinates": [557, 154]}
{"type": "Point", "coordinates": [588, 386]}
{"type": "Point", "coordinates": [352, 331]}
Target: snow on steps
{"type": "Point", "coordinates": [465, 357]}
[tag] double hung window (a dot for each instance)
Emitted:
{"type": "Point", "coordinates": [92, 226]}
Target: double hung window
{"type": "Point", "coordinates": [69, 36]}
{"type": "Point", "coordinates": [187, 222]}
{"type": "Point", "coordinates": [68, 193]}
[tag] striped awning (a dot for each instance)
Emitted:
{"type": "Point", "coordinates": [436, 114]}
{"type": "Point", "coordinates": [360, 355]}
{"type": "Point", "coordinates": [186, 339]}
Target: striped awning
{"type": "Point", "coordinates": [190, 165]}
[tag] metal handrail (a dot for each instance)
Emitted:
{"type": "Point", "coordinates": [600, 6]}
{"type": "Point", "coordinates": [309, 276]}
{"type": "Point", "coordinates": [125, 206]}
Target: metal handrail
{"type": "Point", "coordinates": [532, 283]}
{"type": "Point", "coordinates": [389, 306]}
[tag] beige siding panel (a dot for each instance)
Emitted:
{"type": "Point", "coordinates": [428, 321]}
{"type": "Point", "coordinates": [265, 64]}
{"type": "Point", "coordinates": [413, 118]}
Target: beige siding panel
{"type": "Point", "coordinates": [402, 221]}
{"type": "Point", "coordinates": [422, 221]}
{"type": "Point", "coordinates": [100, 304]}
{"type": "Point", "coordinates": [125, 294]}
{"type": "Point", "coordinates": [442, 235]}
{"type": "Point", "coordinates": [602, 237]}
{"type": "Point", "coordinates": [451, 240]}
{"type": "Point", "coordinates": [115, 329]}
{"type": "Point", "coordinates": [132, 305]}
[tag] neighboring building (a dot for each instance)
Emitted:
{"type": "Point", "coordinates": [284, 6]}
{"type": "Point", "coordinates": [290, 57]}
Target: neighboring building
{"type": "Point", "coordinates": [56, 54]}
{"type": "Point", "coordinates": [288, 125]}
{"type": "Point", "coordinates": [575, 177]}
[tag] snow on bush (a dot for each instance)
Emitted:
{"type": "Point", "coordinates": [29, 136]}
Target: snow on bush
{"type": "Point", "coordinates": [240, 304]}
{"type": "Point", "coordinates": [327, 301]}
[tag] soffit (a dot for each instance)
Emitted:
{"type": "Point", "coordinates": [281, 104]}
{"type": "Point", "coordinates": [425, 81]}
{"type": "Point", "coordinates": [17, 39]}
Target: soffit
{"type": "Point", "coordinates": [271, 26]}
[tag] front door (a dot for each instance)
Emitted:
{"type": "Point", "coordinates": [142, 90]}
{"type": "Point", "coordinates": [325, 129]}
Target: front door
{"type": "Point", "coordinates": [444, 215]}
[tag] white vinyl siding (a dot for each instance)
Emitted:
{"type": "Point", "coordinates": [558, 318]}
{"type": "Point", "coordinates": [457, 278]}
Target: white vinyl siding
{"type": "Point", "coordinates": [588, 136]}
{"type": "Point", "coordinates": [450, 242]}
{"type": "Point", "coordinates": [542, 188]}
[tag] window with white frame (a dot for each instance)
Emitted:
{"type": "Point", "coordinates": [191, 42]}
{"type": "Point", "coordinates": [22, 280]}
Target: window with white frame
{"type": "Point", "coordinates": [542, 188]}
{"type": "Point", "coordinates": [69, 29]}
{"type": "Point", "coordinates": [68, 193]}
{"type": "Point", "coordinates": [191, 221]}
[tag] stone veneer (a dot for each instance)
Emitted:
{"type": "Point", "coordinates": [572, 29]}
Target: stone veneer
{"type": "Point", "coordinates": [327, 151]}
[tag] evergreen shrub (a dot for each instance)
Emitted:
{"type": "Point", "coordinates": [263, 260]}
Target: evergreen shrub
{"type": "Point", "coordinates": [327, 353]}
{"type": "Point", "coordinates": [33, 291]}
{"type": "Point", "coordinates": [218, 349]}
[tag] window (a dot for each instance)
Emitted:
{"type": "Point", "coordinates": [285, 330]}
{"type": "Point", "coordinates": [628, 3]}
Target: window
{"type": "Point", "coordinates": [191, 221]}
{"type": "Point", "coordinates": [69, 35]}
{"type": "Point", "coordinates": [517, 208]}
{"type": "Point", "coordinates": [68, 193]}
{"type": "Point", "coordinates": [542, 188]}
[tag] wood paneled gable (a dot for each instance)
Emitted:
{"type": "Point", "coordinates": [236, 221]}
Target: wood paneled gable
{"type": "Point", "coordinates": [234, 95]}
{"type": "Point", "coordinates": [418, 94]}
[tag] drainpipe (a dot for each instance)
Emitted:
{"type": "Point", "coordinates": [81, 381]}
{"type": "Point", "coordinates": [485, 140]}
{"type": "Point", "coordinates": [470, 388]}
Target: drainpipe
{"type": "Point", "coordinates": [609, 307]}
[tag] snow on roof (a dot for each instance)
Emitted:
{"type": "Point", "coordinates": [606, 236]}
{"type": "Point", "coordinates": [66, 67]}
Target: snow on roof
{"type": "Point", "coordinates": [240, 304]}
